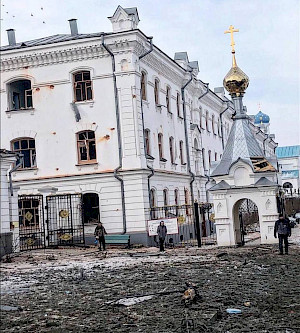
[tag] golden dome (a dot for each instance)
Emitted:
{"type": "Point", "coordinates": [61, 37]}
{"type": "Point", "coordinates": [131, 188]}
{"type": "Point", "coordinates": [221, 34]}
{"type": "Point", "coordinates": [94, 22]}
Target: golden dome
{"type": "Point", "coordinates": [236, 81]}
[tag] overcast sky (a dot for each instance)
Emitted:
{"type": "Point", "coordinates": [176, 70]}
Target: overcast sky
{"type": "Point", "coordinates": [267, 46]}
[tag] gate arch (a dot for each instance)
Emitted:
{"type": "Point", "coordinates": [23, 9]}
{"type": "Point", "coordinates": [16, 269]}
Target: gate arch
{"type": "Point", "coordinates": [245, 219]}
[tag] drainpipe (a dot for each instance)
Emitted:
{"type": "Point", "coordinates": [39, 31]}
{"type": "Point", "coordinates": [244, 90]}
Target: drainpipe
{"type": "Point", "coordinates": [264, 145]}
{"type": "Point", "coordinates": [113, 63]}
{"type": "Point", "coordinates": [186, 137]}
{"type": "Point", "coordinates": [143, 124]}
{"type": "Point", "coordinates": [221, 121]}
{"type": "Point", "coordinates": [21, 156]}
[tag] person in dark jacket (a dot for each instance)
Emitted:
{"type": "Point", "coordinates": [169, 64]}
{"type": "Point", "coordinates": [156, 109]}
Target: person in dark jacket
{"type": "Point", "coordinates": [100, 233]}
{"type": "Point", "coordinates": [162, 233]}
{"type": "Point", "coordinates": [283, 229]}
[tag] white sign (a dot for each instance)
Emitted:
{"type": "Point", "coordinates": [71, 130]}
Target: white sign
{"type": "Point", "coordinates": [171, 224]}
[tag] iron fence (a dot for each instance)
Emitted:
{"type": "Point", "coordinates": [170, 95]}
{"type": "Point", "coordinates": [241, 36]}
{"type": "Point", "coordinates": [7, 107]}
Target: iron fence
{"type": "Point", "coordinates": [195, 224]}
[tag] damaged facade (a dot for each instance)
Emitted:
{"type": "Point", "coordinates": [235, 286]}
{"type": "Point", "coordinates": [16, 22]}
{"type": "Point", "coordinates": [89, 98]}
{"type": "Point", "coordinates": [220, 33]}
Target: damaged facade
{"type": "Point", "coordinates": [110, 121]}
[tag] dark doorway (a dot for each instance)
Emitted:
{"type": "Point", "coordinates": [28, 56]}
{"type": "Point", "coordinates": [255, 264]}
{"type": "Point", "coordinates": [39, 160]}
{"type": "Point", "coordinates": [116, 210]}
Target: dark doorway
{"type": "Point", "coordinates": [91, 208]}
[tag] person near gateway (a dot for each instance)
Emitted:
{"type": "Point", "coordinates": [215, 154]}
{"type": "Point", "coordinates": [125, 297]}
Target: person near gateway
{"type": "Point", "coordinates": [100, 233]}
{"type": "Point", "coordinates": [283, 229]}
{"type": "Point", "coordinates": [162, 233]}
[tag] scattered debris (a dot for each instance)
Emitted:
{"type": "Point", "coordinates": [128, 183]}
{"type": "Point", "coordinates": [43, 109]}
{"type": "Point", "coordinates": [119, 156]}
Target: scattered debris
{"type": "Point", "coordinates": [221, 254]}
{"type": "Point", "coordinates": [132, 300]}
{"type": "Point", "coordinates": [233, 311]}
{"type": "Point", "coordinates": [10, 308]}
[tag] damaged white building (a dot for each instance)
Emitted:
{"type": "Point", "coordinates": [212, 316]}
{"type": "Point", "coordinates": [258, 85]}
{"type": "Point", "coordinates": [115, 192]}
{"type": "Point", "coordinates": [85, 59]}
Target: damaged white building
{"type": "Point", "coordinates": [107, 125]}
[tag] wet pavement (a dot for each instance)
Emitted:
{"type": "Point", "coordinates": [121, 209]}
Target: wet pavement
{"type": "Point", "coordinates": [79, 290]}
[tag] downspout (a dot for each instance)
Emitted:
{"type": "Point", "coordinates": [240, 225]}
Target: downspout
{"type": "Point", "coordinates": [221, 121]}
{"type": "Point", "coordinates": [21, 156]}
{"type": "Point", "coordinates": [264, 145]}
{"type": "Point", "coordinates": [186, 137]}
{"type": "Point", "coordinates": [113, 63]}
{"type": "Point", "coordinates": [143, 124]}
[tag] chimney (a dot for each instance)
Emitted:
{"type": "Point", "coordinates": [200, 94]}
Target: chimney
{"type": "Point", "coordinates": [11, 37]}
{"type": "Point", "coordinates": [73, 27]}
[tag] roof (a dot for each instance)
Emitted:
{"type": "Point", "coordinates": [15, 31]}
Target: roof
{"type": "Point", "coordinates": [288, 151]}
{"type": "Point", "coordinates": [263, 181]}
{"type": "Point", "coordinates": [241, 144]}
{"type": "Point", "coordinates": [220, 186]}
{"type": "Point", "coordinates": [50, 40]}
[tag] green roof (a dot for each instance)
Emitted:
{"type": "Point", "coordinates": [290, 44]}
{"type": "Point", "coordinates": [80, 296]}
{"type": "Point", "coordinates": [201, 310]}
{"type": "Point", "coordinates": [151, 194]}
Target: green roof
{"type": "Point", "coordinates": [288, 151]}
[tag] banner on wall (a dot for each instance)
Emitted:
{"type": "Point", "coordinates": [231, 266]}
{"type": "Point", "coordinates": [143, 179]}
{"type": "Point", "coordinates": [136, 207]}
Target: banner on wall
{"type": "Point", "coordinates": [171, 224]}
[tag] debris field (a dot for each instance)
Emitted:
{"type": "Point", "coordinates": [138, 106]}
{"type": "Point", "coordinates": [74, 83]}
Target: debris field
{"type": "Point", "coordinates": [229, 290]}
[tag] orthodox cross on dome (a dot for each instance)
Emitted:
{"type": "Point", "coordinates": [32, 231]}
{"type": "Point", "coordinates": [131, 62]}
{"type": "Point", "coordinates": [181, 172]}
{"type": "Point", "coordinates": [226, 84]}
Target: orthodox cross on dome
{"type": "Point", "coordinates": [259, 107]}
{"type": "Point", "coordinates": [230, 31]}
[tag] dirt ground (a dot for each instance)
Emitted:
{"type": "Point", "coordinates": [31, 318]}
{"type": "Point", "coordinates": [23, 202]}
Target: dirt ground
{"type": "Point", "coordinates": [76, 290]}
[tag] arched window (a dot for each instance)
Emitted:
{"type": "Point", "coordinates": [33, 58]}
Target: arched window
{"type": "Point", "coordinates": [160, 146]}
{"type": "Point", "coordinates": [213, 124]}
{"type": "Point", "coordinates": [143, 86]}
{"type": "Point", "coordinates": [178, 105]}
{"type": "Point", "coordinates": [171, 145]}
{"type": "Point", "coordinates": [209, 157]}
{"type": "Point", "coordinates": [181, 152]}
{"type": "Point", "coordinates": [216, 156]}
{"type": "Point", "coordinates": [147, 141]}
{"type": "Point", "coordinates": [166, 198]}
{"type": "Point", "coordinates": [25, 146]}
{"type": "Point", "coordinates": [203, 159]}
{"type": "Point", "coordinates": [206, 120]}
{"type": "Point", "coordinates": [156, 92]}
{"type": "Point", "coordinates": [86, 147]}
{"type": "Point", "coordinates": [82, 86]}
{"type": "Point", "coordinates": [287, 185]}
{"type": "Point", "coordinates": [152, 198]}
{"type": "Point", "coordinates": [20, 95]}
{"type": "Point", "coordinates": [168, 101]}
{"type": "Point", "coordinates": [176, 197]}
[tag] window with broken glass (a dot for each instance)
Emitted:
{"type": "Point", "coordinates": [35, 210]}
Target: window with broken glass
{"type": "Point", "coordinates": [26, 147]}
{"type": "Point", "coordinates": [86, 146]}
{"type": "Point", "coordinates": [83, 86]}
{"type": "Point", "coordinates": [20, 95]}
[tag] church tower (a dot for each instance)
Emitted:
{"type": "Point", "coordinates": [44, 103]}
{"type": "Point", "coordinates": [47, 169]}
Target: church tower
{"type": "Point", "coordinates": [243, 173]}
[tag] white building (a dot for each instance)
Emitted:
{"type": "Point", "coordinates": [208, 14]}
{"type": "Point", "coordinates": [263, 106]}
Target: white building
{"type": "Point", "coordinates": [289, 165]}
{"type": "Point", "coordinates": [112, 117]}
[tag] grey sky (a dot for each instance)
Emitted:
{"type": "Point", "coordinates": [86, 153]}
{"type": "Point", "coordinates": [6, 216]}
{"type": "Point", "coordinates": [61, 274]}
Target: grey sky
{"type": "Point", "coordinates": [267, 46]}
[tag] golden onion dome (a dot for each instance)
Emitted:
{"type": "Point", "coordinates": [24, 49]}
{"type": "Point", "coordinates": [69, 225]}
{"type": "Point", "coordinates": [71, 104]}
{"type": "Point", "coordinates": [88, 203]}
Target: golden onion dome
{"type": "Point", "coordinates": [236, 81]}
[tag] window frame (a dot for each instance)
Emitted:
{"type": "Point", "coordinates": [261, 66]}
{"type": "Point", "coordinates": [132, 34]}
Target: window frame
{"type": "Point", "coordinates": [168, 99]}
{"type": "Point", "coordinates": [156, 91]}
{"type": "Point", "coordinates": [87, 146]}
{"type": "Point", "coordinates": [203, 159]}
{"type": "Point", "coordinates": [32, 156]}
{"type": "Point", "coordinates": [178, 104]}
{"type": "Point", "coordinates": [207, 121]}
{"type": "Point", "coordinates": [160, 146]}
{"type": "Point", "coordinates": [181, 149]}
{"type": "Point", "coordinates": [147, 142]}
{"type": "Point", "coordinates": [143, 86]}
{"type": "Point", "coordinates": [83, 84]}
{"type": "Point", "coordinates": [171, 149]}
{"type": "Point", "coordinates": [28, 95]}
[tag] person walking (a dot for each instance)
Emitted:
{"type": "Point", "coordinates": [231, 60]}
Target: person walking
{"type": "Point", "coordinates": [162, 233]}
{"type": "Point", "coordinates": [100, 233]}
{"type": "Point", "coordinates": [283, 229]}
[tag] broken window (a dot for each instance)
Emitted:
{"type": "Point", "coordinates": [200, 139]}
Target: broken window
{"type": "Point", "coordinates": [181, 152]}
{"type": "Point", "coordinates": [29, 216]}
{"type": "Point", "coordinates": [160, 146]}
{"type": "Point", "coordinates": [147, 141]}
{"type": "Point", "coordinates": [178, 105]}
{"type": "Point", "coordinates": [156, 92]}
{"type": "Point", "coordinates": [168, 100]}
{"type": "Point", "coordinates": [83, 86]}
{"type": "Point", "coordinates": [171, 144]}
{"type": "Point", "coordinates": [143, 86]}
{"type": "Point", "coordinates": [20, 95]}
{"type": "Point", "coordinates": [86, 145]}
{"type": "Point", "coordinates": [25, 146]}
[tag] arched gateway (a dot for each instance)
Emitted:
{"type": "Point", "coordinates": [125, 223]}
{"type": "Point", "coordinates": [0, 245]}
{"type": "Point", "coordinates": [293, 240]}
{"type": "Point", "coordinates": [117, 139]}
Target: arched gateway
{"type": "Point", "coordinates": [244, 172]}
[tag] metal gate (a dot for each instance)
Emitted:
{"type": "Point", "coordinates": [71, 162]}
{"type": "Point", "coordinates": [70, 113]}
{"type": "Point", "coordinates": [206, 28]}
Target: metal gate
{"type": "Point", "coordinates": [65, 220]}
{"type": "Point", "coordinates": [248, 219]}
{"type": "Point", "coordinates": [31, 222]}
